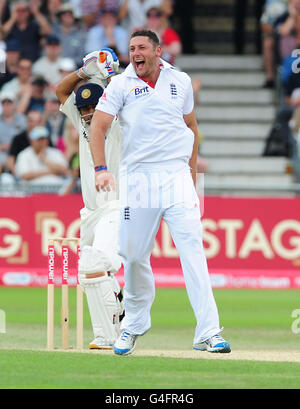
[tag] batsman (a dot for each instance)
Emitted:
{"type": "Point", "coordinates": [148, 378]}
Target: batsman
{"type": "Point", "coordinates": [99, 261]}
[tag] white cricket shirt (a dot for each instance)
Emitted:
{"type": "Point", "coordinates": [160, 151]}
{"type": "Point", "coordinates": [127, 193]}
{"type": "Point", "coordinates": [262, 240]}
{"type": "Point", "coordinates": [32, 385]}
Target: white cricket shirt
{"type": "Point", "coordinates": [91, 198]}
{"type": "Point", "coordinates": [151, 119]}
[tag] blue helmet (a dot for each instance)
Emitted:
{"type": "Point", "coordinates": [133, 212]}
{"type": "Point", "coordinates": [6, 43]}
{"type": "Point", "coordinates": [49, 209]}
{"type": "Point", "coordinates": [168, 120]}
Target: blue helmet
{"type": "Point", "coordinates": [88, 94]}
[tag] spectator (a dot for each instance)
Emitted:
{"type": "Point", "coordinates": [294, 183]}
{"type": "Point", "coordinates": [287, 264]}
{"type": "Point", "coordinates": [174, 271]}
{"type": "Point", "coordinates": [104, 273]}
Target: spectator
{"type": "Point", "coordinates": [11, 124]}
{"type": "Point", "coordinates": [285, 21]}
{"type": "Point", "coordinates": [21, 141]}
{"type": "Point", "coordinates": [71, 140]}
{"type": "Point", "coordinates": [74, 185]}
{"type": "Point", "coordinates": [157, 21]}
{"type": "Point", "coordinates": [27, 25]}
{"type": "Point", "coordinates": [13, 51]}
{"type": "Point", "coordinates": [40, 164]}
{"type": "Point", "coordinates": [290, 31]}
{"type": "Point", "coordinates": [170, 41]}
{"type": "Point", "coordinates": [107, 33]}
{"type": "Point", "coordinates": [52, 8]}
{"type": "Point", "coordinates": [77, 9]}
{"type": "Point", "coordinates": [288, 27]}
{"type": "Point", "coordinates": [89, 12]}
{"type": "Point", "coordinates": [54, 121]}
{"type": "Point", "coordinates": [4, 11]}
{"type": "Point", "coordinates": [19, 83]}
{"type": "Point", "coordinates": [132, 13]}
{"type": "Point", "coordinates": [273, 9]}
{"type": "Point", "coordinates": [66, 66]}
{"type": "Point", "coordinates": [48, 65]}
{"type": "Point", "coordinates": [71, 36]}
{"type": "Point", "coordinates": [33, 97]}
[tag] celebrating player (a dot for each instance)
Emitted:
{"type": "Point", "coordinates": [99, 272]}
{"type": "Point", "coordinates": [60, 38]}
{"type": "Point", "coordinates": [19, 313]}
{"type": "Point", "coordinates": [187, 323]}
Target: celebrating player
{"type": "Point", "coordinates": [156, 107]}
{"type": "Point", "coordinates": [99, 259]}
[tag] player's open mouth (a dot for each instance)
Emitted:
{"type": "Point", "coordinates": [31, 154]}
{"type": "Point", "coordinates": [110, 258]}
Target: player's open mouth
{"type": "Point", "coordinates": [140, 64]}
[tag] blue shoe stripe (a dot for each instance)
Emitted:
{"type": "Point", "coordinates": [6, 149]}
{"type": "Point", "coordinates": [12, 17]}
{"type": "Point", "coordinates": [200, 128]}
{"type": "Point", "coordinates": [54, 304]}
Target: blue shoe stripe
{"type": "Point", "coordinates": [221, 347]}
{"type": "Point", "coordinates": [121, 351]}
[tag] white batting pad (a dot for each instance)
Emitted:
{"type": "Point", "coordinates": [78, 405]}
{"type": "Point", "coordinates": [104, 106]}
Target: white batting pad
{"type": "Point", "coordinates": [104, 307]}
{"type": "Point", "coordinates": [96, 261]}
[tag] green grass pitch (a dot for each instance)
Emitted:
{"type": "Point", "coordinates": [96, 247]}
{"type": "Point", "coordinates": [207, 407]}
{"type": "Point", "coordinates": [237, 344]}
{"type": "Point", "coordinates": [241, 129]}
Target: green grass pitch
{"type": "Point", "coordinates": [254, 320]}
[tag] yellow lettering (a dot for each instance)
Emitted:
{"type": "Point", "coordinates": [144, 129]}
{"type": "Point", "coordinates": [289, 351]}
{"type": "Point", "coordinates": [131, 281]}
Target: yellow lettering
{"type": "Point", "coordinates": [230, 226]}
{"type": "Point", "coordinates": [210, 239]}
{"type": "Point", "coordinates": [276, 239]}
{"type": "Point", "coordinates": [256, 240]}
{"type": "Point", "coordinates": [51, 228]}
{"type": "Point", "coordinates": [13, 241]}
{"type": "Point", "coordinates": [73, 231]}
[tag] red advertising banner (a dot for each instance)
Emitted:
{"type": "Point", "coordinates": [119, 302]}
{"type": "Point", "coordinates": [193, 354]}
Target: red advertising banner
{"type": "Point", "coordinates": [249, 242]}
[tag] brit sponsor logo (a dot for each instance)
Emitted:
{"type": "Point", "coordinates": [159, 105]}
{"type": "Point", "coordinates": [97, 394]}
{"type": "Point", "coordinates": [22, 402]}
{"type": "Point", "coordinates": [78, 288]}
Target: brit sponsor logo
{"type": "Point", "coordinates": [140, 91]}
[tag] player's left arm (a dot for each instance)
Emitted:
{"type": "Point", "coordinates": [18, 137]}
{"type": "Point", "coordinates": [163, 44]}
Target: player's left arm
{"type": "Point", "coordinates": [191, 122]}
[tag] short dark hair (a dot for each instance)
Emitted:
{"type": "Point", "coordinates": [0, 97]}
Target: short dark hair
{"type": "Point", "coordinates": [146, 33]}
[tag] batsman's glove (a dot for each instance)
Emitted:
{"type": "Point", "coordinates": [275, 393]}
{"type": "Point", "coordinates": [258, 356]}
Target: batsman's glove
{"type": "Point", "coordinates": [107, 63]}
{"type": "Point", "coordinates": [89, 68]}
{"type": "Point", "coordinates": [99, 64]}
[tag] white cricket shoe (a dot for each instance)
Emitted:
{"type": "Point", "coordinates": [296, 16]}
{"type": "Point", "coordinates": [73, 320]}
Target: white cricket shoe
{"type": "Point", "coordinates": [100, 343]}
{"type": "Point", "coordinates": [125, 344]}
{"type": "Point", "coordinates": [214, 344]}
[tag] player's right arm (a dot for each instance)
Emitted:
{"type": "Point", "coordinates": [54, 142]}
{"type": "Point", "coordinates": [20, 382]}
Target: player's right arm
{"type": "Point", "coordinates": [104, 180]}
{"type": "Point", "coordinates": [66, 86]}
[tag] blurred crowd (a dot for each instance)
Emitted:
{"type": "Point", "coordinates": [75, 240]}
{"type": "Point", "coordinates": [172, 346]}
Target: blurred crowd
{"type": "Point", "coordinates": [280, 25]}
{"type": "Point", "coordinates": [42, 41]}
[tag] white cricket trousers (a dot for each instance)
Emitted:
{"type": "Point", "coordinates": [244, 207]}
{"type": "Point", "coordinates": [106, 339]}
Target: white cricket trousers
{"type": "Point", "coordinates": [179, 207]}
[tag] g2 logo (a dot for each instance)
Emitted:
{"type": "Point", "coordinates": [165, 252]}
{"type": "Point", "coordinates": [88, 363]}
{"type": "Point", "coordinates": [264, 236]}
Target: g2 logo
{"type": "Point", "coordinates": [295, 64]}
{"type": "Point", "coordinates": [296, 323]}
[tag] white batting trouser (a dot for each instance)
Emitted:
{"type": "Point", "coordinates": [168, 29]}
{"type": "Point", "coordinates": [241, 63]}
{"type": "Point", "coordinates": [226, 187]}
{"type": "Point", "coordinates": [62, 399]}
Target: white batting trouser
{"type": "Point", "coordinates": [137, 234]}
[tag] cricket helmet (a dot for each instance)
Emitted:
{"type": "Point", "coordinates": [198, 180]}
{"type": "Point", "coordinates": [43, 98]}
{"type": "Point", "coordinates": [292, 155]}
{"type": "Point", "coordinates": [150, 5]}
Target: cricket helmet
{"type": "Point", "coordinates": [88, 94]}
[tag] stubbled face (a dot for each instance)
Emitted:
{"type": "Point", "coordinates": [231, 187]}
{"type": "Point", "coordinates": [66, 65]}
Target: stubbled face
{"type": "Point", "coordinates": [143, 56]}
